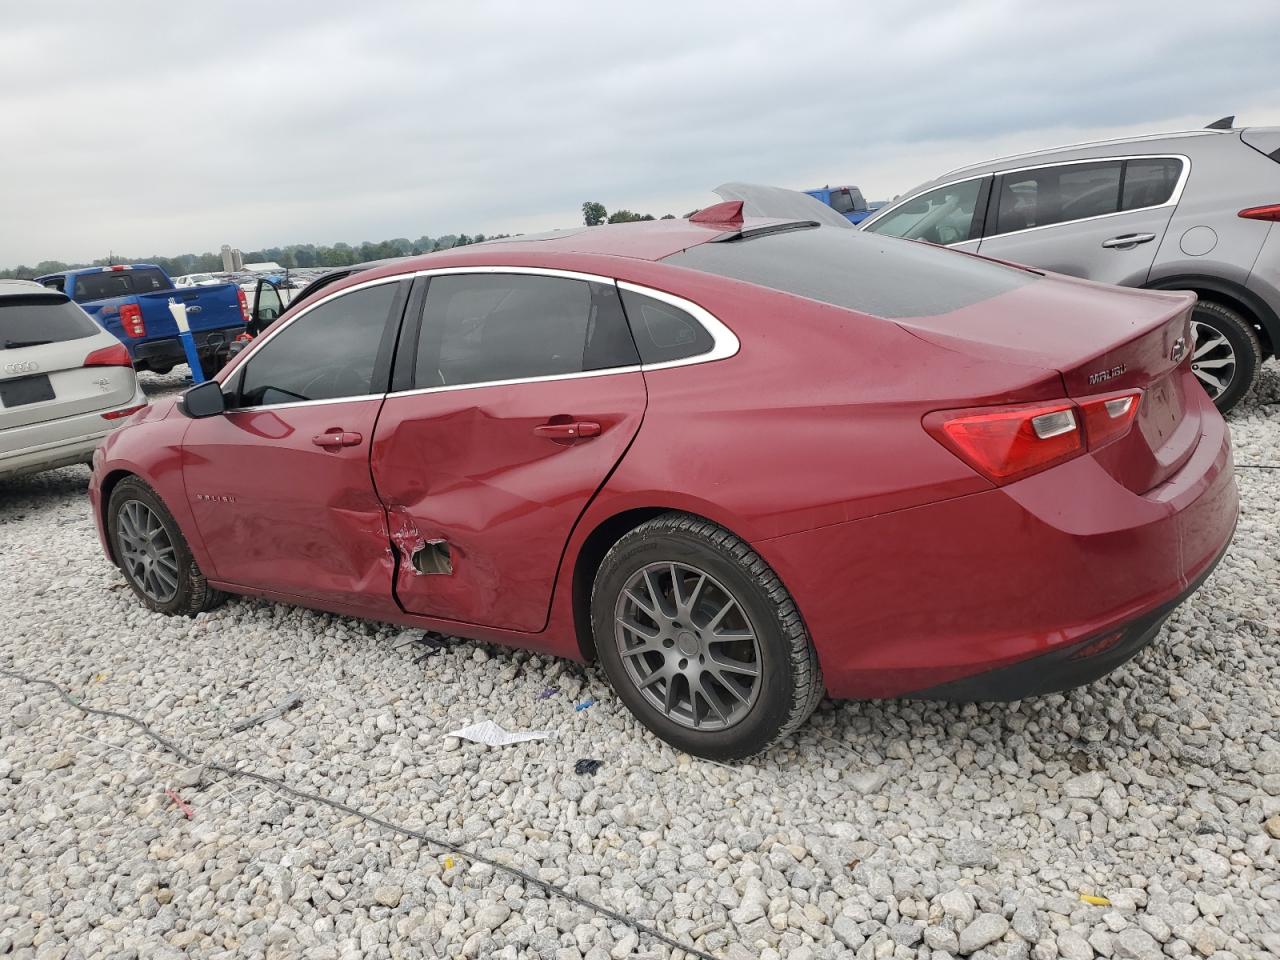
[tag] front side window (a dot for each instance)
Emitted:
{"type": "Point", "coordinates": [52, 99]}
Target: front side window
{"type": "Point", "coordinates": [328, 353]}
{"type": "Point", "coordinates": [943, 216]}
{"type": "Point", "coordinates": [1149, 182]}
{"type": "Point", "coordinates": [482, 328]}
{"type": "Point", "coordinates": [1049, 195]}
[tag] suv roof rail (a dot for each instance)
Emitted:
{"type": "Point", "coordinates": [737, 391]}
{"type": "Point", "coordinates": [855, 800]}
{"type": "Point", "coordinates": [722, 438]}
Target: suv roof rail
{"type": "Point", "coordinates": [1226, 123]}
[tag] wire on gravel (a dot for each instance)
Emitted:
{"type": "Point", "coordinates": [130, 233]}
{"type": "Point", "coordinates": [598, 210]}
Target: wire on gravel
{"type": "Point", "coordinates": [553, 889]}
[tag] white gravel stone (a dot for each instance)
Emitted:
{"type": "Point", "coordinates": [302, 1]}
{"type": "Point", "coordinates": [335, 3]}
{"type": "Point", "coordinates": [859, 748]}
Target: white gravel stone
{"type": "Point", "coordinates": [901, 829]}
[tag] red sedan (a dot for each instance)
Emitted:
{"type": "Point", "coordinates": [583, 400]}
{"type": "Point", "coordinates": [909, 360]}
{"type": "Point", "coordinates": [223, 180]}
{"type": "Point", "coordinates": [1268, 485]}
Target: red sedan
{"type": "Point", "coordinates": [742, 462]}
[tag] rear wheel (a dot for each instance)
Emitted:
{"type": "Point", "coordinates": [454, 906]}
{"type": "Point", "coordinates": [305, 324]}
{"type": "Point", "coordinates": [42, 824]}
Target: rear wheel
{"type": "Point", "coordinates": [700, 639]}
{"type": "Point", "coordinates": [153, 554]}
{"type": "Point", "coordinates": [1226, 354]}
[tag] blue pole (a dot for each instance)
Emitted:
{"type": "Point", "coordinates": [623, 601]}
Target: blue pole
{"type": "Point", "coordinates": [179, 311]}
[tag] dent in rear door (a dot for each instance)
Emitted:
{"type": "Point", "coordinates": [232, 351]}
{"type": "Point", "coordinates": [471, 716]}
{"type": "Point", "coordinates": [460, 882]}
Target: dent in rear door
{"type": "Point", "coordinates": [474, 465]}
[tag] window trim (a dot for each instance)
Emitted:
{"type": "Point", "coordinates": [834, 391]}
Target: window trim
{"type": "Point", "coordinates": [725, 342]}
{"type": "Point", "coordinates": [999, 174]}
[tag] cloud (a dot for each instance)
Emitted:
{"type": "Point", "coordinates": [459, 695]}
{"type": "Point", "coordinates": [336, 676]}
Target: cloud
{"type": "Point", "coordinates": [166, 128]}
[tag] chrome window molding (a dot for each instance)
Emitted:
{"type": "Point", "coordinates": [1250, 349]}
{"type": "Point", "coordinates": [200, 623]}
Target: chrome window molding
{"type": "Point", "coordinates": [725, 342]}
{"type": "Point", "coordinates": [1174, 197]}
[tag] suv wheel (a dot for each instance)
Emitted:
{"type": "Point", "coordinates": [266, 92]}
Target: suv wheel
{"type": "Point", "coordinates": [700, 639]}
{"type": "Point", "coordinates": [1226, 354]}
{"type": "Point", "coordinates": [153, 554]}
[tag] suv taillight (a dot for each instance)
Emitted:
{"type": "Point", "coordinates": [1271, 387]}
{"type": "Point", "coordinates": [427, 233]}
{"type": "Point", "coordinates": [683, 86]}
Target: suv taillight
{"type": "Point", "coordinates": [1269, 212]}
{"type": "Point", "coordinates": [131, 320]}
{"type": "Point", "coordinates": [116, 356]}
{"type": "Point", "coordinates": [1008, 443]}
{"type": "Point", "coordinates": [244, 304]}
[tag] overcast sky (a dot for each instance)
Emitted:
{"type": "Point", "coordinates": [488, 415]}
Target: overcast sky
{"type": "Point", "coordinates": [166, 128]}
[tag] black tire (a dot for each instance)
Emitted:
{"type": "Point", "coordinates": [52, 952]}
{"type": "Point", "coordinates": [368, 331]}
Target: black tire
{"type": "Point", "coordinates": [789, 684]}
{"type": "Point", "coordinates": [192, 593]}
{"type": "Point", "coordinates": [160, 370]}
{"type": "Point", "coordinates": [1245, 349]}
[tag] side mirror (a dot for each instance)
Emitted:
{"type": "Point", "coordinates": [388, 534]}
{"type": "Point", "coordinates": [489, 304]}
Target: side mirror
{"type": "Point", "coordinates": [204, 400]}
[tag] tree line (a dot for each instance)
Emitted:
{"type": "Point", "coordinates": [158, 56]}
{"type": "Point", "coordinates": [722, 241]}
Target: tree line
{"type": "Point", "coordinates": [312, 255]}
{"type": "Point", "coordinates": [292, 256]}
{"type": "Point", "coordinates": [594, 214]}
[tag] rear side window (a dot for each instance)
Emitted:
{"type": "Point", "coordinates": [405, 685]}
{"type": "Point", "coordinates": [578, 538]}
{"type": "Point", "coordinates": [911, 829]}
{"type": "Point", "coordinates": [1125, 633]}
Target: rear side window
{"type": "Point", "coordinates": [1149, 182]}
{"type": "Point", "coordinates": [118, 283]}
{"type": "Point", "coordinates": [1049, 195]}
{"type": "Point", "coordinates": [328, 353]}
{"type": "Point", "coordinates": [482, 328]}
{"type": "Point", "coordinates": [662, 332]}
{"type": "Point", "coordinates": [857, 270]}
{"type": "Point", "coordinates": [29, 321]}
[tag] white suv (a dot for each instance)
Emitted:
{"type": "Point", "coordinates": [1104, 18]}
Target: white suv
{"type": "Point", "coordinates": [64, 381]}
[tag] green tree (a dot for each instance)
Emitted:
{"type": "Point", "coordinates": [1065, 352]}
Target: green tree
{"type": "Point", "coordinates": [594, 214]}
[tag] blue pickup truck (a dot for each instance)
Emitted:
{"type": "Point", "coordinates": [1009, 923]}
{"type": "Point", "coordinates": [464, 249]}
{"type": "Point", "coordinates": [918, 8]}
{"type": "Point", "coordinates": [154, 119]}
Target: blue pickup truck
{"type": "Point", "coordinates": [847, 201]}
{"type": "Point", "coordinates": [132, 302]}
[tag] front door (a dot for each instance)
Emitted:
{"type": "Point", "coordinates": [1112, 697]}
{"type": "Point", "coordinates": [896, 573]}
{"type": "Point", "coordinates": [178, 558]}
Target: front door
{"type": "Point", "coordinates": [279, 484]}
{"type": "Point", "coordinates": [521, 394]}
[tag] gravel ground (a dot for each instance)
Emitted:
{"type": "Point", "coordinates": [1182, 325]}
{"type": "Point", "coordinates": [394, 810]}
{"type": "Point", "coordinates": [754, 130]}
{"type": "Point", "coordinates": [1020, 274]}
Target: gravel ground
{"type": "Point", "coordinates": [879, 830]}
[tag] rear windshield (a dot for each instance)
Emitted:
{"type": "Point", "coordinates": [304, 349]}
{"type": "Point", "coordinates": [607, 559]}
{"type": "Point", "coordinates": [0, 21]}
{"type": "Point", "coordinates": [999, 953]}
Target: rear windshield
{"type": "Point", "coordinates": [30, 321]}
{"type": "Point", "coordinates": [860, 271]}
{"type": "Point", "coordinates": [118, 283]}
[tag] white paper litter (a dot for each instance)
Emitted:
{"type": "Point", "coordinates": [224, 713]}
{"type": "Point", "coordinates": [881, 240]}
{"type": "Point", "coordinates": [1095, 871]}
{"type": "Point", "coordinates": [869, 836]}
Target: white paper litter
{"type": "Point", "coordinates": [492, 735]}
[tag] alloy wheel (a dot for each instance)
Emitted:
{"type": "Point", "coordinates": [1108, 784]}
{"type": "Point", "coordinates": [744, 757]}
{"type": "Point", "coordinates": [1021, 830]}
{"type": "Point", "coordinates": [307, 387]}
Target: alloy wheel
{"type": "Point", "coordinates": [146, 552]}
{"type": "Point", "coordinates": [688, 646]}
{"type": "Point", "coordinates": [1213, 359]}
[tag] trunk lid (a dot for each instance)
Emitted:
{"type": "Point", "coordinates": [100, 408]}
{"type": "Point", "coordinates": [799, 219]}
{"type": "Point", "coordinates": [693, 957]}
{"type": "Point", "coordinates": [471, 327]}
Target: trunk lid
{"type": "Point", "coordinates": [1102, 340]}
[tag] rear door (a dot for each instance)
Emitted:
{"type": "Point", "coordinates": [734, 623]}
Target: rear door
{"type": "Point", "coordinates": [1099, 219]}
{"type": "Point", "coordinates": [44, 342]}
{"type": "Point", "coordinates": [520, 392]}
{"type": "Point", "coordinates": [279, 485]}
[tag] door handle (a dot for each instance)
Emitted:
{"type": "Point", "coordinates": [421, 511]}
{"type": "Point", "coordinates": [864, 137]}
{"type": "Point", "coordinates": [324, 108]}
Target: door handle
{"type": "Point", "coordinates": [335, 439]}
{"type": "Point", "coordinates": [1128, 240]}
{"type": "Point", "coordinates": [578, 430]}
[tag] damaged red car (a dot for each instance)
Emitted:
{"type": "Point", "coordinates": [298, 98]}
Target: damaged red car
{"type": "Point", "coordinates": [745, 463]}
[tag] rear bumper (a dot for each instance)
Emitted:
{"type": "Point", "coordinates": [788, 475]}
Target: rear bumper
{"type": "Point", "coordinates": [1065, 669]}
{"type": "Point", "coordinates": [918, 600]}
{"type": "Point", "coordinates": [57, 443]}
{"type": "Point", "coordinates": [169, 350]}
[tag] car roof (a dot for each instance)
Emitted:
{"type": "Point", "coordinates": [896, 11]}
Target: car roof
{"type": "Point", "coordinates": [23, 288]}
{"type": "Point", "coordinates": [1149, 143]}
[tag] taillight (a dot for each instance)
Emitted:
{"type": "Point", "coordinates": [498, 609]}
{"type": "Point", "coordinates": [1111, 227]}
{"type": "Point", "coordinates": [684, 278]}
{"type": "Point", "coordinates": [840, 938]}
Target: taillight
{"type": "Point", "coordinates": [1270, 211]}
{"type": "Point", "coordinates": [1109, 418]}
{"type": "Point", "coordinates": [131, 320]}
{"type": "Point", "coordinates": [118, 414]}
{"type": "Point", "coordinates": [1008, 443]}
{"type": "Point", "coordinates": [244, 304]}
{"type": "Point", "coordinates": [113, 356]}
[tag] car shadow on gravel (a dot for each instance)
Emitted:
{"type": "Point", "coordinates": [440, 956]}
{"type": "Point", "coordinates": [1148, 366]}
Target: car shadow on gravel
{"type": "Point", "coordinates": [22, 496]}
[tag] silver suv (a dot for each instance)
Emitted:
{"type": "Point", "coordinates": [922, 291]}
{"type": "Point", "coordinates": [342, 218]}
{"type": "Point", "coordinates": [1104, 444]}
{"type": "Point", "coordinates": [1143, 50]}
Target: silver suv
{"type": "Point", "coordinates": [1179, 211]}
{"type": "Point", "coordinates": [64, 381]}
